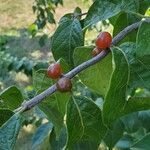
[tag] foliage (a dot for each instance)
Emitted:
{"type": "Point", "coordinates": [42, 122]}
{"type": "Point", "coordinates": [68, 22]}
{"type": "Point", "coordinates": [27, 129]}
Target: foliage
{"type": "Point", "coordinates": [9, 132]}
{"type": "Point", "coordinates": [110, 101]}
{"type": "Point", "coordinates": [44, 9]}
{"type": "Point", "coordinates": [10, 63]}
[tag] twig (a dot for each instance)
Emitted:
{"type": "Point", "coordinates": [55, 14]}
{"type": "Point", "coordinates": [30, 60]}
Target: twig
{"type": "Point", "coordinates": [37, 99]}
{"type": "Point", "coordinates": [82, 14]}
{"type": "Point", "coordinates": [78, 15]}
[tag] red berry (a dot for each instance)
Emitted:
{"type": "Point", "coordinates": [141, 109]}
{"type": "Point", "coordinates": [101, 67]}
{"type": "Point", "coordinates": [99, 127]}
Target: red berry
{"type": "Point", "coordinates": [54, 71]}
{"type": "Point", "coordinates": [103, 40]}
{"type": "Point", "coordinates": [96, 51]}
{"type": "Point", "coordinates": [64, 84]}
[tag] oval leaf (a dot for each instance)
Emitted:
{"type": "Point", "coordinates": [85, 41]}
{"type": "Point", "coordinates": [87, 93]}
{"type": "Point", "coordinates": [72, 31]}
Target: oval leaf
{"type": "Point", "coordinates": [11, 98]}
{"type": "Point", "coordinates": [67, 37]}
{"type": "Point", "coordinates": [9, 132]}
{"type": "Point", "coordinates": [112, 136]}
{"type": "Point", "coordinates": [143, 40]}
{"type": "Point", "coordinates": [96, 77]}
{"type": "Point", "coordinates": [104, 9]}
{"type": "Point", "coordinates": [116, 95]}
{"type": "Point", "coordinates": [83, 121]}
{"type": "Point", "coordinates": [139, 67]}
{"type": "Point", "coordinates": [5, 114]}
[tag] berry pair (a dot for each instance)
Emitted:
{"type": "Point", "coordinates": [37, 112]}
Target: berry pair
{"type": "Point", "coordinates": [103, 42]}
{"type": "Point", "coordinates": [54, 71]}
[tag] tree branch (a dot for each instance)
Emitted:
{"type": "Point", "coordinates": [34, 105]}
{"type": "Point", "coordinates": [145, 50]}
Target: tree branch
{"type": "Point", "coordinates": [37, 99]}
{"type": "Point", "coordinates": [82, 14]}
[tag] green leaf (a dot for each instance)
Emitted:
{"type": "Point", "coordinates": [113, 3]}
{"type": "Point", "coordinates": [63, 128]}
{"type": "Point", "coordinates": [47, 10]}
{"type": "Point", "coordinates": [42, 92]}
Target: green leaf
{"type": "Point", "coordinates": [96, 77]}
{"type": "Point", "coordinates": [64, 18]}
{"type": "Point", "coordinates": [104, 9]}
{"type": "Point", "coordinates": [58, 143]}
{"type": "Point", "coordinates": [131, 122]}
{"type": "Point", "coordinates": [11, 98]}
{"type": "Point", "coordinates": [33, 29]}
{"type": "Point", "coordinates": [64, 65]}
{"type": "Point", "coordinates": [5, 114]}
{"type": "Point", "coordinates": [144, 117]}
{"type": "Point", "coordinates": [129, 48]}
{"type": "Point", "coordinates": [139, 67]}
{"type": "Point", "coordinates": [123, 20]}
{"type": "Point", "coordinates": [143, 40]}
{"type": "Point", "coordinates": [113, 135]}
{"type": "Point", "coordinates": [56, 2]}
{"type": "Point", "coordinates": [50, 17]}
{"type": "Point", "coordinates": [101, 10]}
{"type": "Point", "coordinates": [85, 145]}
{"type": "Point", "coordinates": [53, 106]}
{"type": "Point", "coordinates": [84, 121]}
{"type": "Point", "coordinates": [139, 77]}
{"type": "Point", "coordinates": [9, 132]}
{"type": "Point", "coordinates": [77, 13]}
{"type": "Point", "coordinates": [116, 95]}
{"type": "Point", "coordinates": [144, 5]}
{"type": "Point", "coordinates": [41, 135]}
{"type": "Point", "coordinates": [137, 104]}
{"type": "Point", "coordinates": [77, 10]}
{"type": "Point", "coordinates": [125, 142]}
{"type": "Point", "coordinates": [53, 114]}
{"type": "Point", "coordinates": [142, 144]}
{"type": "Point", "coordinates": [67, 37]}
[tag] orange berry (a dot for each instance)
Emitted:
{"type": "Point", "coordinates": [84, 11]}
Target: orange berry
{"type": "Point", "coordinates": [103, 40]}
{"type": "Point", "coordinates": [54, 71]}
